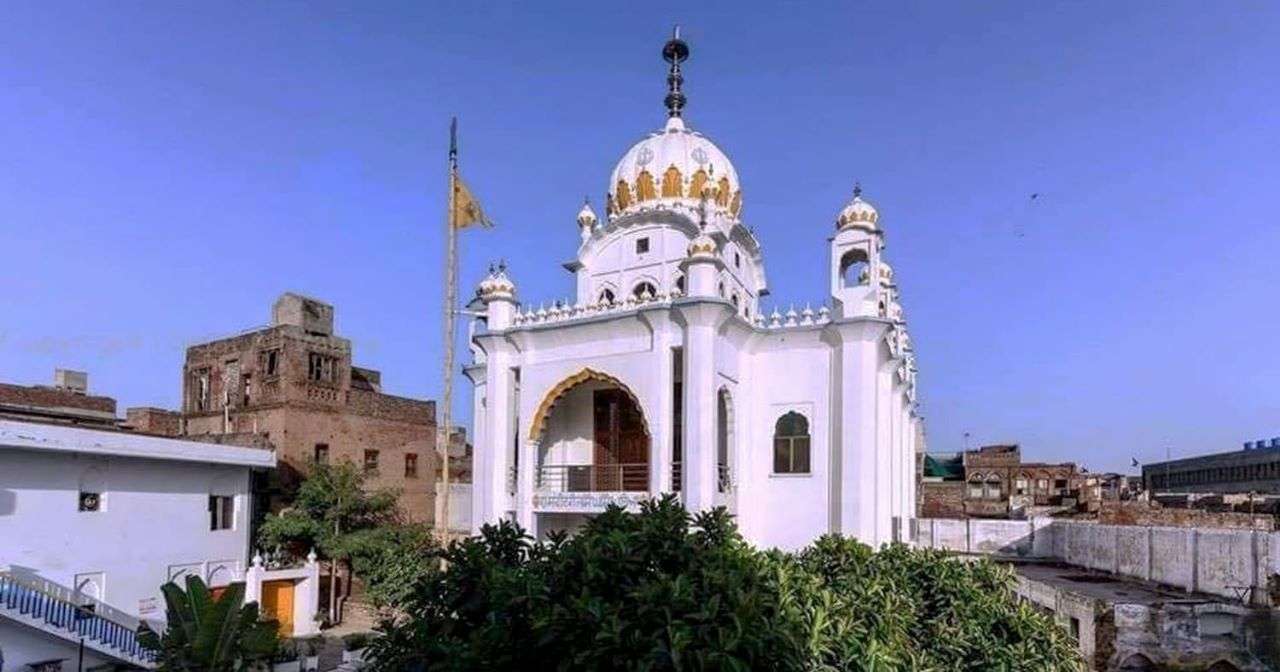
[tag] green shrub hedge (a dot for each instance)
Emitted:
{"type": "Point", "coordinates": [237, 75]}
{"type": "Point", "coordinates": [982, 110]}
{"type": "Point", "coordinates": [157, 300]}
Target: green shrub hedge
{"type": "Point", "coordinates": [661, 590]}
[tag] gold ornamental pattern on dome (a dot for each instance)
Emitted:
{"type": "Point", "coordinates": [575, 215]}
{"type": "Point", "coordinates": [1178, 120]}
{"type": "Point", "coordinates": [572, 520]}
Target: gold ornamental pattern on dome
{"type": "Point", "coordinates": [674, 186]}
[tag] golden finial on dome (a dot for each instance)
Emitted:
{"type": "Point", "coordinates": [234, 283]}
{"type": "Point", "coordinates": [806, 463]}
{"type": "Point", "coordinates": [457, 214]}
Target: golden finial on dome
{"type": "Point", "coordinates": [675, 52]}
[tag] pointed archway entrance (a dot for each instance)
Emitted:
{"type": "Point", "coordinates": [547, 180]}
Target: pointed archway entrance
{"type": "Point", "coordinates": [591, 436]}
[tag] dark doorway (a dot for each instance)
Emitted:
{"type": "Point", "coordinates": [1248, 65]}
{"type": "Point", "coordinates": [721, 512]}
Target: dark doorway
{"type": "Point", "coordinates": [621, 443]}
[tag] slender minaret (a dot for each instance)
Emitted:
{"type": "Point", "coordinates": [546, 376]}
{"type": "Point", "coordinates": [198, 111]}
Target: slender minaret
{"type": "Point", "coordinates": [855, 259]}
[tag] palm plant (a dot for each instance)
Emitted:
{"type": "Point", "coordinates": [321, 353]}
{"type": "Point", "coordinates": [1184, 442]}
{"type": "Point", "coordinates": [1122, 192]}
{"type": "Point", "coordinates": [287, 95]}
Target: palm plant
{"type": "Point", "coordinates": [210, 634]}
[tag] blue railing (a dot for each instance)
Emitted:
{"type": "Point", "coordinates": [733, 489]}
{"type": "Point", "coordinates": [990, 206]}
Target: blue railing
{"type": "Point", "coordinates": [59, 613]}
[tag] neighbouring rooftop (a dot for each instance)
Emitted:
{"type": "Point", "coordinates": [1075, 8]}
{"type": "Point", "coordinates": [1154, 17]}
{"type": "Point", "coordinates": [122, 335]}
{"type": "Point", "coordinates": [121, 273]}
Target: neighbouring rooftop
{"type": "Point", "coordinates": [36, 436]}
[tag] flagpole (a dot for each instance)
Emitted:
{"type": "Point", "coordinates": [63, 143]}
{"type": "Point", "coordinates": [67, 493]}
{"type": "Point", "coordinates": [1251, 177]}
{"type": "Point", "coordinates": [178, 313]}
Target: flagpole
{"type": "Point", "coordinates": [450, 298]}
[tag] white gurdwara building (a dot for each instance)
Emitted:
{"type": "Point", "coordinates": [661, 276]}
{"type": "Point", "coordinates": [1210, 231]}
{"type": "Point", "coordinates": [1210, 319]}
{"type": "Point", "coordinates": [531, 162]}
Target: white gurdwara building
{"type": "Point", "coordinates": [665, 374]}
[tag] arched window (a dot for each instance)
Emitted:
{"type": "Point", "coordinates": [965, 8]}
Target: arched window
{"type": "Point", "coordinates": [644, 187]}
{"type": "Point", "coordinates": [721, 290]}
{"type": "Point", "coordinates": [854, 268]}
{"type": "Point", "coordinates": [672, 184]}
{"type": "Point", "coordinates": [791, 444]}
{"type": "Point", "coordinates": [975, 486]}
{"type": "Point", "coordinates": [644, 290]}
{"type": "Point", "coordinates": [680, 283]}
{"type": "Point", "coordinates": [607, 296]}
{"type": "Point", "coordinates": [994, 487]}
{"type": "Point", "coordinates": [736, 301]}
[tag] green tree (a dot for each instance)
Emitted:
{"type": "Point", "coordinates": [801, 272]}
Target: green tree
{"type": "Point", "coordinates": [663, 590]}
{"type": "Point", "coordinates": [334, 514]}
{"type": "Point", "coordinates": [392, 559]}
{"type": "Point", "coordinates": [207, 634]}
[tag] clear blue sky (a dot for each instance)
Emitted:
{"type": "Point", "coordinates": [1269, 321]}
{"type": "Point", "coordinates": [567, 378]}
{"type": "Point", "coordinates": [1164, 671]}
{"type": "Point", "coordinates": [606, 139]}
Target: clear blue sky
{"type": "Point", "coordinates": [167, 169]}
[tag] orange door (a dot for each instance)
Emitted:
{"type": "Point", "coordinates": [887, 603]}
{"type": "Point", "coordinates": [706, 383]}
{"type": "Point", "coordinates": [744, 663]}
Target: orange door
{"type": "Point", "coordinates": [277, 603]}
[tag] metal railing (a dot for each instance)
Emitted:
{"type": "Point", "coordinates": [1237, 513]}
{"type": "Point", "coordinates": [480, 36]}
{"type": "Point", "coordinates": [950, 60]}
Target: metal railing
{"type": "Point", "coordinates": [724, 477]}
{"type": "Point", "coordinates": [593, 478]}
{"type": "Point", "coordinates": [27, 599]}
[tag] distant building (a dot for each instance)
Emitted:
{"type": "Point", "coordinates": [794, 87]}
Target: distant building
{"type": "Point", "coordinates": [942, 486]}
{"type": "Point", "coordinates": [1256, 468]}
{"type": "Point", "coordinates": [1117, 487]}
{"type": "Point", "coordinates": [999, 483]}
{"type": "Point", "coordinates": [994, 482]}
{"type": "Point", "coordinates": [66, 402]}
{"type": "Point", "coordinates": [294, 383]}
{"type": "Point", "coordinates": [93, 522]}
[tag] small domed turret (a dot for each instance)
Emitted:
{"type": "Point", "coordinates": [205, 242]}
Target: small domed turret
{"type": "Point", "coordinates": [586, 216]}
{"type": "Point", "coordinates": [496, 285]}
{"type": "Point", "coordinates": [858, 213]}
{"type": "Point", "coordinates": [498, 294]}
{"type": "Point", "coordinates": [587, 219]}
{"type": "Point", "coordinates": [702, 245]}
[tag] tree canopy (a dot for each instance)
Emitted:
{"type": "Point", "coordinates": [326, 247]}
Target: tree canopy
{"type": "Point", "coordinates": [663, 590]}
{"type": "Point", "coordinates": [346, 522]}
{"type": "Point", "coordinates": [333, 513]}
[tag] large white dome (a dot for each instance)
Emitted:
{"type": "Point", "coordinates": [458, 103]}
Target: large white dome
{"type": "Point", "coordinates": [674, 165]}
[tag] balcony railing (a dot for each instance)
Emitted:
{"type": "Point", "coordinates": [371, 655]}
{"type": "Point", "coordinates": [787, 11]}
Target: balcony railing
{"type": "Point", "coordinates": [724, 477]}
{"type": "Point", "coordinates": [29, 599]}
{"type": "Point", "coordinates": [593, 478]}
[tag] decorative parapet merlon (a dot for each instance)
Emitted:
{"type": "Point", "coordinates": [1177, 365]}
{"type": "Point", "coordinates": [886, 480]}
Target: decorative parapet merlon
{"type": "Point", "coordinates": [807, 317]}
{"type": "Point", "coordinates": [564, 311]}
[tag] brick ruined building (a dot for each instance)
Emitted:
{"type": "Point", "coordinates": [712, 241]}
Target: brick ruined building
{"type": "Point", "coordinates": [294, 384]}
{"type": "Point", "coordinates": [994, 482]}
{"type": "Point", "coordinates": [66, 402]}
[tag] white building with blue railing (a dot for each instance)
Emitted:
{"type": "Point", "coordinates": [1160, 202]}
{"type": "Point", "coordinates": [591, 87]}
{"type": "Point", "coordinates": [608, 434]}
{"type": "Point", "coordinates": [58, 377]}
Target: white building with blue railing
{"type": "Point", "coordinates": [666, 373]}
{"type": "Point", "coordinates": [93, 522]}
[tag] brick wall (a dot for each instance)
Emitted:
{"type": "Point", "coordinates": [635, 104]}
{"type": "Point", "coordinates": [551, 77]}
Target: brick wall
{"type": "Point", "coordinates": [1143, 513]}
{"type": "Point", "coordinates": [52, 398]}
{"type": "Point", "coordinates": [391, 407]}
{"type": "Point", "coordinates": [943, 499]}
{"type": "Point", "coordinates": [156, 421]}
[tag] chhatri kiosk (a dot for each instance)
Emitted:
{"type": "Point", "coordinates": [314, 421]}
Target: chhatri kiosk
{"type": "Point", "coordinates": [665, 375]}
